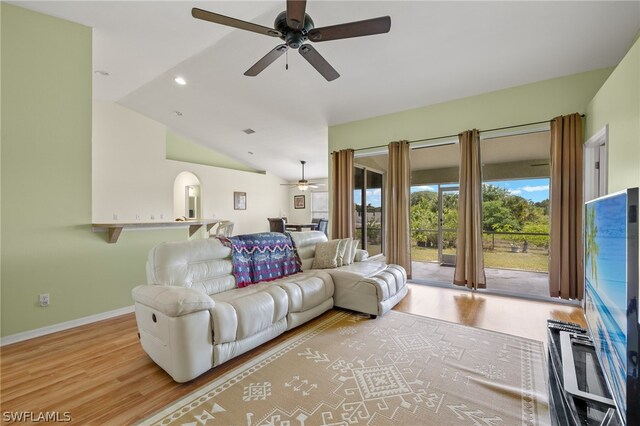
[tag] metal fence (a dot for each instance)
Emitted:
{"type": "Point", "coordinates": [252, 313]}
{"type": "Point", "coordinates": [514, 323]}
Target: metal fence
{"type": "Point", "coordinates": [521, 242]}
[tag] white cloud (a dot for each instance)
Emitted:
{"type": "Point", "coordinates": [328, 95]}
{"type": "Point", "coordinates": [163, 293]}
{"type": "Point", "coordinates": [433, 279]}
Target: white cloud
{"type": "Point", "coordinates": [515, 191]}
{"type": "Point", "coordinates": [535, 188]}
{"type": "Point", "coordinates": [423, 188]}
{"type": "Point", "coordinates": [374, 192]}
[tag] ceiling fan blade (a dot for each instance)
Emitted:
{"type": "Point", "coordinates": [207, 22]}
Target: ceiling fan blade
{"type": "Point", "coordinates": [233, 22]}
{"type": "Point", "coordinates": [318, 62]}
{"type": "Point", "coordinates": [266, 60]}
{"type": "Point", "coordinates": [351, 29]}
{"type": "Point", "coordinates": [295, 13]}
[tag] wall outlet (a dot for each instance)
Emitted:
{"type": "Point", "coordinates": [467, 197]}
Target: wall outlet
{"type": "Point", "coordinates": [153, 217]}
{"type": "Point", "coordinates": [137, 216]}
{"type": "Point", "coordinates": [161, 216]}
{"type": "Point", "coordinates": [115, 216]}
{"type": "Point", "coordinates": [44, 299]}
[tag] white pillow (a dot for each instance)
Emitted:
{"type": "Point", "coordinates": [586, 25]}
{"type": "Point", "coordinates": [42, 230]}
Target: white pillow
{"type": "Point", "coordinates": [353, 248]}
{"type": "Point", "coordinates": [343, 251]}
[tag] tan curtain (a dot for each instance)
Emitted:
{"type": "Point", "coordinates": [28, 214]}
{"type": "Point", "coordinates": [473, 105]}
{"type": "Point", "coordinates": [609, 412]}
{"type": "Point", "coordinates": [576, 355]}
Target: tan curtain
{"type": "Point", "coordinates": [342, 212]}
{"type": "Point", "coordinates": [469, 269]}
{"type": "Point", "coordinates": [397, 232]}
{"type": "Point", "coordinates": [566, 275]}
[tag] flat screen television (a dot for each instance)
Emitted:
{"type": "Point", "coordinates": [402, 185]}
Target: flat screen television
{"type": "Point", "coordinates": [611, 295]}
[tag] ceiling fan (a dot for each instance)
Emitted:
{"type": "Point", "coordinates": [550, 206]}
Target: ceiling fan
{"type": "Point", "coordinates": [295, 27]}
{"type": "Point", "coordinates": [303, 184]}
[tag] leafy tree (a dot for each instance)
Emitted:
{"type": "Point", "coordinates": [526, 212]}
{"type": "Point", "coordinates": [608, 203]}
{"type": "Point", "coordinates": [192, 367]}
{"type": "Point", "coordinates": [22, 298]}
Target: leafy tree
{"type": "Point", "coordinates": [496, 216]}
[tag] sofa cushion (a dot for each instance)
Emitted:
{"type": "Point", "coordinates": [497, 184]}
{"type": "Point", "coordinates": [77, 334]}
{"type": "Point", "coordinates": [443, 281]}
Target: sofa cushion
{"type": "Point", "coordinates": [202, 265]}
{"type": "Point", "coordinates": [356, 271]}
{"type": "Point", "coordinates": [326, 255]}
{"type": "Point", "coordinates": [307, 289]}
{"type": "Point", "coordinates": [305, 243]}
{"type": "Point", "coordinates": [242, 312]}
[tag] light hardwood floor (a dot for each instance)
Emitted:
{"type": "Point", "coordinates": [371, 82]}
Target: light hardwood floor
{"type": "Point", "coordinates": [100, 375]}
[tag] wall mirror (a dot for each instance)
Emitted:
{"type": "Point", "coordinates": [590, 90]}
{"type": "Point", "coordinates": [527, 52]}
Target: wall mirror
{"type": "Point", "coordinates": [192, 201]}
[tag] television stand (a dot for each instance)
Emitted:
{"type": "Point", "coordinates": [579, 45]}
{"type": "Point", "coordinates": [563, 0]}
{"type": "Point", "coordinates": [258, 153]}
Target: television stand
{"type": "Point", "coordinates": [579, 395]}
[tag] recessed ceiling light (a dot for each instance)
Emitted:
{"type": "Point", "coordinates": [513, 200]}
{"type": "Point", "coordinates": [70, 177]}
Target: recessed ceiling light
{"type": "Point", "coordinates": [178, 113]}
{"type": "Point", "coordinates": [181, 81]}
{"type": "Point", "coordinates": [249, 131]}
{"type": "Point", "coordinates": [101, 72]}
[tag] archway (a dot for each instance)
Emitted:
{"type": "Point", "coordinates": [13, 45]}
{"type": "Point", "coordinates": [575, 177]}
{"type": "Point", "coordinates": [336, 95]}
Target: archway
{"type": "Point", "coordinates": [187, 196]}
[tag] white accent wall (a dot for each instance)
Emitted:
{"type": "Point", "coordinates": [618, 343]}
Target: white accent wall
{"type": "Point", "coordinates": [134, 181]}
{"type": "Point", "coordinates": [303, 215]}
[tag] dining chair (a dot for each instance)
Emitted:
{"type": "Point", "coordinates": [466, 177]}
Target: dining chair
{"type": "Point", "coordinates": [276, 224]}
{"type": "Point", "coordinates": [323, 225]}
{"type": "Point", "coordinates": [225, 228]}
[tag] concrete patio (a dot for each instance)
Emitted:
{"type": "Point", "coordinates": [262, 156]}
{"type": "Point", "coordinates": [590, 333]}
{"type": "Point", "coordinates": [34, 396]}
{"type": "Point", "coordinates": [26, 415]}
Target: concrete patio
{"type": "Point", "coordinates": [522, 283]}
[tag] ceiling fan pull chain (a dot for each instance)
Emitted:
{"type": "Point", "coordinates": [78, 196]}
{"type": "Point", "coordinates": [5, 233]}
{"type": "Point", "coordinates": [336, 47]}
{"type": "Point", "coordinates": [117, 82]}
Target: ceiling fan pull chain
{"type": "Point", "coordinates": [286, 66]}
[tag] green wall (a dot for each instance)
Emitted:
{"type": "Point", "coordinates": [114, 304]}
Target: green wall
{"type": "Point", "coordinates": [518, 105]}
{"type": "Point", "coordinates": [47, 245]}
{"type": "Point", "coordinates": [181, 149]}
{"type": "Point", "coordinates": [617, 104]}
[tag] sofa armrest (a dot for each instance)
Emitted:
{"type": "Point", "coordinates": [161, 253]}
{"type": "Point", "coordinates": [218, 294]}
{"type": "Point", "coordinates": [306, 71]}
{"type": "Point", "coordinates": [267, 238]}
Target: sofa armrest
{"type": "Point", "coordinates": [172, 301]}
{"type": "Point", "coordinates": [361, 255]}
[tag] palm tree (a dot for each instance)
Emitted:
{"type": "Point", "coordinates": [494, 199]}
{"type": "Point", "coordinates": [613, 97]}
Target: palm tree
{"type": "Point", "coordinates": [591, 246]}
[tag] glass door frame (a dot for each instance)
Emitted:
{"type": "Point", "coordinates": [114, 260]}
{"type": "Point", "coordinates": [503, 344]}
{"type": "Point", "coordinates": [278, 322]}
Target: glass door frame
{"type": "Point", "coordinates": [442, 260]}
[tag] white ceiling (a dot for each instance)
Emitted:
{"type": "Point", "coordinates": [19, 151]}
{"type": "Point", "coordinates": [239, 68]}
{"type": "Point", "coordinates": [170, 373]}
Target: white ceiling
{"type": "Point", "coordinates": [435, 51]}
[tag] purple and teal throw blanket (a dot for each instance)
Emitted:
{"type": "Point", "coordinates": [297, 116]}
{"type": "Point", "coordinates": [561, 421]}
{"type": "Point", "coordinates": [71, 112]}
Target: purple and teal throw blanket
{"type": "Point", "coordinates": [262, 257]}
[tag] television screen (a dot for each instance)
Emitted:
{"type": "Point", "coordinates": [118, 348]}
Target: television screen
{"type": "Point", "coordinates": [611, 289]}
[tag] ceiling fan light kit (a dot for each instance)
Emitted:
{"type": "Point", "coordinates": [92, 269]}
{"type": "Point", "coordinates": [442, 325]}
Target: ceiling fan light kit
{"type": "Point", "coordinates": [295, 27]}
{"type": "Point", "coordinates": [303, 184]}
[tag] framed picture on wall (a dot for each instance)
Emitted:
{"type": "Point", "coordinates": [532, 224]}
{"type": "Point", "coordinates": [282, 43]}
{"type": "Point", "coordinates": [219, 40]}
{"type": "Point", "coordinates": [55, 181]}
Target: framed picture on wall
{"type": "Point", "coordinates": [298, 201]}
{"type": "Point", "coordinates": [239, 200]}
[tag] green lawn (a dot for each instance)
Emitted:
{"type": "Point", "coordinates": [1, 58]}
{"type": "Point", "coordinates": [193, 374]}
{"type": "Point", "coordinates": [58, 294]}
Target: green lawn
{"type": "Point", "coordinates": [536, 261]}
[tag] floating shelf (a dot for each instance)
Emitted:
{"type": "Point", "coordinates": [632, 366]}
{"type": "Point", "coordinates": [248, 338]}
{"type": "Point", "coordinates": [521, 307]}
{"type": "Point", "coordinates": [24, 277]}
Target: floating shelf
{"type": "Point", "coordinates": [114, 229]}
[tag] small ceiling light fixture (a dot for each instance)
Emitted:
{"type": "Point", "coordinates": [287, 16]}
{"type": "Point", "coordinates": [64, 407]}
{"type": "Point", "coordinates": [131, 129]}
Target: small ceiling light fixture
{"type": "Point", "coordinates": [178, 113]}
{"type": "Point", "coordinates": [303, 184]}
{"type": "Point", "coordinates": [101, 72]}
{"type": "Point", "coordinates": [249, 131]}
{"type": "Point", "coordinates": [250, 152]}
{"type": "Point", "coordinates": [180, 80]}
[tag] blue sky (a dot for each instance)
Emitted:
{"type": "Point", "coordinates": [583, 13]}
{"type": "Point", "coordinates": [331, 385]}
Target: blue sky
{"type": "Point", "coordinates": [532, 189]}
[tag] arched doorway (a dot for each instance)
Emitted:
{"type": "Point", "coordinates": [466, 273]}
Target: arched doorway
{"type": "Point", "coordinates": [187, 196]}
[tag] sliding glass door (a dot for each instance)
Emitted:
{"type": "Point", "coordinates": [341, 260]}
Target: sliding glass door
{"type": "Point", "coordinates": [368, 200]}
{"type": "Point", "coordinates": [515, 211]}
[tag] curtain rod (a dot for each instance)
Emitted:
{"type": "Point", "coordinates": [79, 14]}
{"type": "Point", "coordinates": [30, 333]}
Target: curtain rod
{"type": "Point", "coordinates": [452, 136]}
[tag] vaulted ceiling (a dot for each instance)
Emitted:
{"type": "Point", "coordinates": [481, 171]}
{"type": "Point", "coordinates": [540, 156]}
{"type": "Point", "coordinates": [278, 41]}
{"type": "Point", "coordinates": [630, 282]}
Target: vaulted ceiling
{"type": "Point", "coordinates": [435, 52]}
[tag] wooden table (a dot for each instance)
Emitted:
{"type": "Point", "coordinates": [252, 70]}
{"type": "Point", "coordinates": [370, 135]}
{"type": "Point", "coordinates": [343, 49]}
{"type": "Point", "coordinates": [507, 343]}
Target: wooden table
{"type": "Point", "coordinates": [295, 227]}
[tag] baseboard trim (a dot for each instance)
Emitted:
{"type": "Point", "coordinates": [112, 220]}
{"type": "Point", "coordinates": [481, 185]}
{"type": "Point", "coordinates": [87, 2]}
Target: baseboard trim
{"type": "Point", "coordinates": [50, 329]}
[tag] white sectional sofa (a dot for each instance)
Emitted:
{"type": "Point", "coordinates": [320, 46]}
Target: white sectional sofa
{"type": "Point", "coordinates": [191, 317]}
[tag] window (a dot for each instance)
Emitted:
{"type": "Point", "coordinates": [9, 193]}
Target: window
{"type": "Point", "coordinates": [368, 201]}
{"type": "Point", "coordinates": [320, 205]}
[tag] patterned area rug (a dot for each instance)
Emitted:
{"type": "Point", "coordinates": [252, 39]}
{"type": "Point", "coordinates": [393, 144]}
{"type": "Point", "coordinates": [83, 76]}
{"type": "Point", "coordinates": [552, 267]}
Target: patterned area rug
{"type": "Point", "coordinates": [398, 369]}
